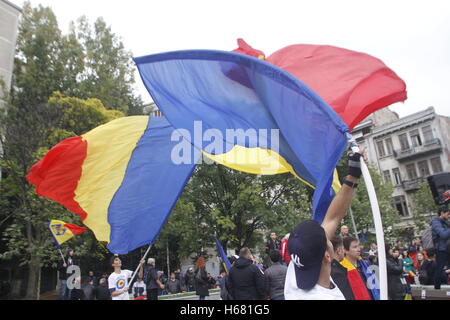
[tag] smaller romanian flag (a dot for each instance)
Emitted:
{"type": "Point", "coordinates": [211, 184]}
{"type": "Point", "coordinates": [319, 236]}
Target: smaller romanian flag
{"type": "Point", "coordinates": [62, 231]}
{"type": "Point", "coordinates": [223, 256]}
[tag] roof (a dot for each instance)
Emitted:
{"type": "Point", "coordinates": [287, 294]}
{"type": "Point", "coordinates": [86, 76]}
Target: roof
{"type": "Point", "coordinates": [12, 5]}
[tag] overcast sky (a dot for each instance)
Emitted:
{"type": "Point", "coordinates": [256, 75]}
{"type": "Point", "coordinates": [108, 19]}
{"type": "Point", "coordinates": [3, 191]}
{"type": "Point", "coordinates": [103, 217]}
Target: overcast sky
{"type": "Point", "coordinates": [411, 37]}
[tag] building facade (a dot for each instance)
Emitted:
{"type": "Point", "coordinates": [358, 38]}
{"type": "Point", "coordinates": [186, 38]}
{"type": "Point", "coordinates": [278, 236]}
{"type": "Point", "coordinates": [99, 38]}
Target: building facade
{"type": "Point", "coordinates": [152, 110]}
{"type": "Point", "coordinates": [406, 151]}
{"type": "Point", "coordinates": [9, 20]}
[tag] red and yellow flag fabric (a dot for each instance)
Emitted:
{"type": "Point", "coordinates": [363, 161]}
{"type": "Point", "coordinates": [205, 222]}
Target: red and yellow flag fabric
{"type": "Point", "coordinates": [356, 282]}
{"type": "Point", "coordinates": [62, 231]}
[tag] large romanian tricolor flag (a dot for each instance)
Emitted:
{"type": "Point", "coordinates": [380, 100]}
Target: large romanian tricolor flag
{"type": "Point", "coordinates": [62, 231]}
{"type": "Point", "coordinates": [118, 177]}
{"type": "Point", "coordinates": [291, 113]}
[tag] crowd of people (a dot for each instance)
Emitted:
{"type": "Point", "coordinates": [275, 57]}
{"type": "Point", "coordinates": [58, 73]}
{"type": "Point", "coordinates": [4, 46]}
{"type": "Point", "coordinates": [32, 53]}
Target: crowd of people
{"type": "Point", "coordinates": [313, 263]}
{"type": "Point", "coordinates": [150, 283]}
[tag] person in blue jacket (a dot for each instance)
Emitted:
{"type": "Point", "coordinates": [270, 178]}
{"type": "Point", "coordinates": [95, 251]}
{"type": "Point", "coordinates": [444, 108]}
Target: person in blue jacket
{"type": "Point", "coordinates": [441, 235]}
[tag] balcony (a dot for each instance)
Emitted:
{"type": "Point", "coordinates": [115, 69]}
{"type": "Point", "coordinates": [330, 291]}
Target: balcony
{"type": "Point", "coordinates": [433, 146]}
{"type": "Point", "coordinates": [412, 185]}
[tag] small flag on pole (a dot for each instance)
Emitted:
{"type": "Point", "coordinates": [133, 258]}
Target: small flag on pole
{"type": "Point", "coordinates": [223, 256]}
{"type": "Point", "coordinates": [62, 231]}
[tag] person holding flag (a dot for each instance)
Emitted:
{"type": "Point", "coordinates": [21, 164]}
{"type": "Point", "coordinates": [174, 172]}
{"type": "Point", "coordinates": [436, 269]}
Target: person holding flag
{"type": "Point", "coordinates": [309, 273]}
{"type": "Point", "coordinates": [118, 280]}
{"type": "Point", "coordinates": [61, 233]}
{"type": "Point", "coordinates": [64, 263]}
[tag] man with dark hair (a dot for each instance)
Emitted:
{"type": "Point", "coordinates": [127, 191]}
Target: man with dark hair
{"type": "Point", "coordinates": [441, 234]}
{"type": "Point", "coordinates": [338, 271]}
{"type": "Point", "coordinates": [309, 273]}
{"type": "Point", "coordinates": [273, 243]}
{"type": "Point", "coordinates": [355, 274]}
{"type": "Point", "coordinates": [65, 292]}
{"type": "Point", "coordinates": [118, 280]}
{"type": "Point", "coordinates": [396, 282]}
{"type": "Point", "coordinates": [274, 277]}
{"type": "Point", "coordinates": [246, 279]}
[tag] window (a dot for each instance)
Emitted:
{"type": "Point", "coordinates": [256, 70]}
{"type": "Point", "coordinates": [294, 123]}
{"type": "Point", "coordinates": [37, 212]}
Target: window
{"type": "Point", "coordinates": [381, 152]}
{"type": "Point", "coordinates": [436, 164]}
{"type": "Point", "coordinates": [403, 141]}
{"type": "Point", "coordinates": [427, 134]}
{"type": "Point", "coordinates": [387, 176]}
{"type": "Point", "coordinates": [423, 168]}
{"type": "Point", "coordinates": [389, 146]}
{"type": "Point", "coordinates": [411, 171]}
{"type": "Point", "coordinates": [397, 177]}
{"type": "Point", "coordinates": [415, 138]}
{"type": "Point", "coordinates": [400, 205]}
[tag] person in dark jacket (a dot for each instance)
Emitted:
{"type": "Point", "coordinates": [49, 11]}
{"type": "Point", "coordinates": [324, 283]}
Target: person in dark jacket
{"type": "Point", "coordinates": [394, 265]}
{"type": "Point", "coordinates": [428, 270]}
{"type": "Point", "coordinates": [274, 277]}
{"type": "Point", "coordinates": [273, 243]}
{"type": "Point", "coordinates": [225, 287]}
{"type": "Point", "coordinates": [173, 285]}
{"type": "Point", "coordinates": [102, 291]}
{"type": "Point", "coordinates": [93, 278]}
{"type": "Point", "coordinates": [338, 271]}
{"type": "Point", "coordinates": [211, 281]}
{"type": "Point", "coordinates": [152, 281]}
{"type": "Point", "coordinates": [64, 292]}
{"type": "Point", "coordinates": [88, 290]}
{"type": "Point", "coordinates": [201, 279]}
{"type": "Point", "coordinates": [246, 279]}
{"type": "Point", "coordinates": [441, 234]}
{"type": "Point", "coordinates": [189, 280]}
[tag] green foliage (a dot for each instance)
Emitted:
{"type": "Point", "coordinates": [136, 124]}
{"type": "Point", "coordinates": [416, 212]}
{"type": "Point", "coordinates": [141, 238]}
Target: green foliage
{"type": "Point", "coordinates": [88, 62]}
{"type": "Point", "coordinates": [108, 68]}
{"type": "Point", "coordinates": [79, 116]}
{"type": "Point", "coordinates": [424, 205]}
{"type": "Point", "coordinates": [59, 82]}
{"type": "Point", "coordinates": [362, 211]}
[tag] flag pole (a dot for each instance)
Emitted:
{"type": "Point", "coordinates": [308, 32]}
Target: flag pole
{"type": "Point", "coordinates": [377, 221]}
{"type": "Point", "coordinates": [353, 222]}
{"type": "Point", "coordinates": [136, 271]}
{"type": "Point", "coordinates": [62, 256]}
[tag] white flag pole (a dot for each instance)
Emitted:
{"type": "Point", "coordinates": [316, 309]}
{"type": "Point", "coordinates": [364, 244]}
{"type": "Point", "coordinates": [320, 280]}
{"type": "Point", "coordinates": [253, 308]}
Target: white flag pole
{"type": "Point", "coordinates": [136, 271]}
{"type": "Point", "coordinates": [378, 223]}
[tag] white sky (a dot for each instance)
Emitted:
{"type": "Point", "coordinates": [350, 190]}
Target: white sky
{"type": "Point", "coordinates": [411, 37]}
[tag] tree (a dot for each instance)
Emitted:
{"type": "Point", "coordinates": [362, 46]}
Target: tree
{"type": "Point", "coordinates": [236, 207]}
{"type": "Point", "coordinates": [27, 133]}
{"type": "Point", "coordinates": [38, 67]}
{"type": "Point", "coordinates": [424, 205]}
{"type": "Point", "coordinates": [361, 208]}
{"type": "Point", "coordinates": [33, 120]}
{"type": "Point", "coordinates": [109, 70]}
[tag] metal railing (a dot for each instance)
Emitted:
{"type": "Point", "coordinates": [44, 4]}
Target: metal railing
{"type": "Point", "coordinates": [432, 145]}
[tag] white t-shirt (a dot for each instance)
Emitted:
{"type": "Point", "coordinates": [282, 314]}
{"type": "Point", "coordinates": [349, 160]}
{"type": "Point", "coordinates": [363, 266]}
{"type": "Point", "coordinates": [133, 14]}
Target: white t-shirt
{"type": "Point", "coordinates": [292, 292]}
{"type": "Point", "coordinates": [118, 281]}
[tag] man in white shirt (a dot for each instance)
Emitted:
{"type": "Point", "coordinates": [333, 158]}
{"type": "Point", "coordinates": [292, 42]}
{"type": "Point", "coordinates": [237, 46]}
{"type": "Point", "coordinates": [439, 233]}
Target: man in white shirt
{"type": "Point", "coordinates": [309, 273]}
{"type": "Point", "coordinates": [118, 280]}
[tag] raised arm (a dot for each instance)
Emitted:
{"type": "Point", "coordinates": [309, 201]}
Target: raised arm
{"type": "Point", "coordinates": [343, 199]}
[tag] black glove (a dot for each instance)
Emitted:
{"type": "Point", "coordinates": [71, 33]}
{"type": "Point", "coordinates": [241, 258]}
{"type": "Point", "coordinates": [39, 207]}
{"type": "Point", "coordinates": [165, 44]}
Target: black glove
{"type": "Point", "coordinates": [354, 164]}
